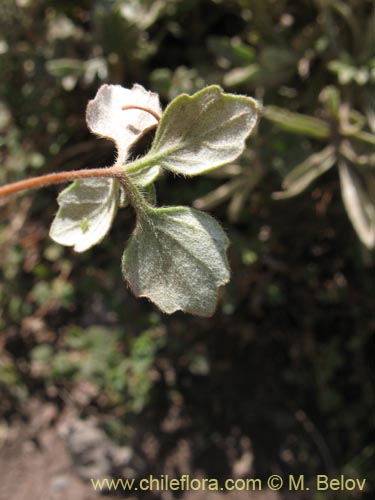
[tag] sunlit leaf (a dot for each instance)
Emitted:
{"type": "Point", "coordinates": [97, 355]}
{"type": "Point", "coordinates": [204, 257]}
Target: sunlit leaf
{"type": "Point", "coordinates": [145, 176]}
{"type": "Point", "coordinates": [106, 117]}
{"type": "Point", "coordinates": [87, 209]}
{"type": "Point", "coordinates": [201, 132]}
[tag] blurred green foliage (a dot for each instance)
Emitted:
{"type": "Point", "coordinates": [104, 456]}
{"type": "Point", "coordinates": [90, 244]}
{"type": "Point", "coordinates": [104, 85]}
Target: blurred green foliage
{"type": "Point", "coordinates": [98, 355]}
{"type": "Point", "coordinates": [292, 340]}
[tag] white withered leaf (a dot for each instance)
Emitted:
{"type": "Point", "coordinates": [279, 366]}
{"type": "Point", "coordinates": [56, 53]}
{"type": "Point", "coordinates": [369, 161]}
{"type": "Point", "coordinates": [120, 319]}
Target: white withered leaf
{"type": "Point", "coordinates": [106, 116]}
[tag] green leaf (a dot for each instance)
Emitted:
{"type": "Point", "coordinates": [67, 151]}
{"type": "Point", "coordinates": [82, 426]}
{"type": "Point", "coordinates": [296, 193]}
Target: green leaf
{"type": "Point", "coordinates": [306, 172]}
{"type": "Point", "coordinates": [146, 176]}
{"type": "Point", "coordinates": [177, 258]}
{"type": "Point", "coordinates": [359, 200]}
{"type": "Point", "coordinates": [241, 75]}
{"type": "Point", "coordinates": [201, 132]}
{"type": "Point", "coordinates": [87, 209]}
{"type": "Point", "coordinates": [65, 66]}
{"type": "Point", "coordinates": [297, 123]}
{"type": "Point", "coordinates": [330, 97]}
{"type": "Point", "coordinates": [232, 50]}
{"type": "Point", "coordinates": [149, 193]}
{"type": "Point", "coordinates": [344, 71]}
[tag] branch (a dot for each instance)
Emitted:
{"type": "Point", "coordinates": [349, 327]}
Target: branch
{"type": "Point", "coordinates": [59, 178]}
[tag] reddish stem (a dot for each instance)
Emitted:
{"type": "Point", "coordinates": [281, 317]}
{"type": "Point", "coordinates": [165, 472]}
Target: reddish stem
{"type": "Point", "coordinates": [148, 110]}
{"type": "Point", "coordinates": [59, 178]}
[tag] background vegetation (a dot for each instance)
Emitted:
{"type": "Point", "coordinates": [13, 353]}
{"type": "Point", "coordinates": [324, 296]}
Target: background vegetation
{"type": "Point", "coordinates": [285, 362]}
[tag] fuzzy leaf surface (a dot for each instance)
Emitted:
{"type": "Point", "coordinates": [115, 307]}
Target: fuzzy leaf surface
{"type": "Point", "coordinates": [177, 258]}
{"type": "Point", "coordinates": [106, 117]}
{"type": "Point", "coordinates": [87, 209]}
{"type": "Point", "coordinates": [201, 132]}
{"type": "Point", "coordinates": [146, 176]}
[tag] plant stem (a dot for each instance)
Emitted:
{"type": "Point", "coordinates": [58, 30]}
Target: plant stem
{"type": "Point", "coordinates": [136, 198]}
{"type": "Point", "coordinates": [141, 163]}
{"type": "Point", "coordinates": [142, 108]}
{"type": "Point", "coordinates": [61, 177]}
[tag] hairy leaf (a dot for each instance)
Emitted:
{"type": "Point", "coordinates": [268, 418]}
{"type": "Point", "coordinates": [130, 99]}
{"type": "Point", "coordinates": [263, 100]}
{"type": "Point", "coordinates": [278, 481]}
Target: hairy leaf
{"type": "Point", "coordinates": [149, 194]}
{"type": "Point", "coordinates": [87, 209]}
{"type": "Point", "coordinates": [106, 117]}
{"type": "Point", "coordinates": [177, 258]}
{"type": "Point", "coordinates": [201, 132]}
{"type": "Point", "coordinates": [146, 176]}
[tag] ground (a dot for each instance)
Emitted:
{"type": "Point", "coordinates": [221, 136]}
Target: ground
{"type": "Point", "coordinates": [35, 464]}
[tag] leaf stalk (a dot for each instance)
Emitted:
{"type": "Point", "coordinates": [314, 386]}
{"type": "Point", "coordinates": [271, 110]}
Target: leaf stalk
{"type": "Point", "coordinates": [60, 178]}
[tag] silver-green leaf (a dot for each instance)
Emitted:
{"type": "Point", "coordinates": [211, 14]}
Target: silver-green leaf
{"type": "Point", "coordinates": [176, 257]}
{"type": "Point", "coordinates": [359, 200]}
{"type": "Point", "coordinates": [306, 173]}
{"type": "Point", "coordinates": [87, 209]}
{"type": "Point", "coordinates": [202, 132]}
{"type": "Point", "coordinates": [297, 123]}
{"type": "Point", "coordinates": [146, 176]}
